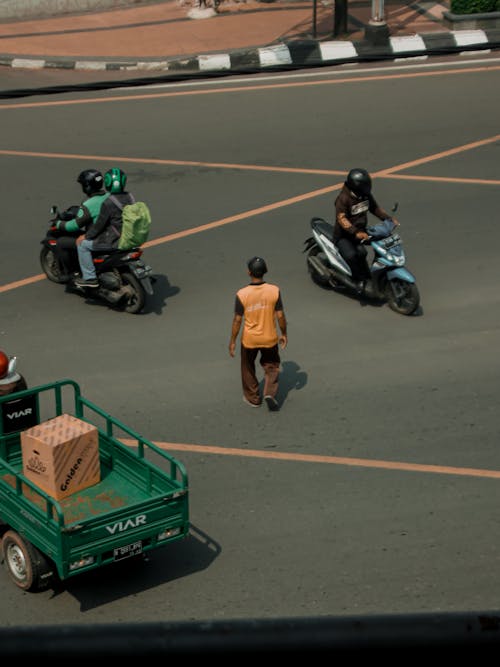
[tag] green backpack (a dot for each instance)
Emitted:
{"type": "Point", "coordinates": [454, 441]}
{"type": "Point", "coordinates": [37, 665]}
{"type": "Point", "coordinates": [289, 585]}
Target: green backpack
{"type": "Point", "coordinates": [136, 221]}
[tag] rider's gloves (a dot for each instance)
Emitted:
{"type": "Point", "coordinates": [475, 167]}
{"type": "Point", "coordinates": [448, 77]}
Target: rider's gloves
{"type": "Point", "coordinates": [68, 214]}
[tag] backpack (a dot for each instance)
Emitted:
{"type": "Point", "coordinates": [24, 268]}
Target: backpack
{"type": "Point", "coordinates": [136, 221]}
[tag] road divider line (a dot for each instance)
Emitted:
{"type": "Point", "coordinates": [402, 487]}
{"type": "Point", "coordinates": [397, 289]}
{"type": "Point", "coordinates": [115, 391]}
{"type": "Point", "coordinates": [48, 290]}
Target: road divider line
{"type": "Point", "coordinates": [316, 458]}
{"type": "Point", "coordinates": [438, 156]}
{"type": "Point", "coordinates": [176, 163]}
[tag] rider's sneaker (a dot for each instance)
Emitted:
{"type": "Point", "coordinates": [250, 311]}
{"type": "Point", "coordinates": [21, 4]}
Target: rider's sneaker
{"type": "Point", "coordinates": [80, 282]}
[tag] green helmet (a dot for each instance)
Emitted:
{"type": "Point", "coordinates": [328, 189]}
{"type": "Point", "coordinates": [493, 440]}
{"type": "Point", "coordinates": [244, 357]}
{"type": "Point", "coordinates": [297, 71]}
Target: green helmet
{"type": "Point", "coordinates": [115, 180]}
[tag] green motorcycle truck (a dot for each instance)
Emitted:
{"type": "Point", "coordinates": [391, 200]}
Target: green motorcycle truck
{"type": "Point", "coordinates": [140, 502]}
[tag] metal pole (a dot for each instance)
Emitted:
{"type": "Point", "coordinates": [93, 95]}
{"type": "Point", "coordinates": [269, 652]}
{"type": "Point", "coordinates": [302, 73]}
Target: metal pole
{"type": "Point", "coordinates": [377, 10]}
{"type": "Point", "coordinates": [377, 30]}
{"type": "Point", "coordinates": [340, 17]}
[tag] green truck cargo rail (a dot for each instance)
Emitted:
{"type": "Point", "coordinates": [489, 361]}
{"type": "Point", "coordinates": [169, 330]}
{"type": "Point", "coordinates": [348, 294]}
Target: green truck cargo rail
{"type": "Point", "coordinates": [139, 504]}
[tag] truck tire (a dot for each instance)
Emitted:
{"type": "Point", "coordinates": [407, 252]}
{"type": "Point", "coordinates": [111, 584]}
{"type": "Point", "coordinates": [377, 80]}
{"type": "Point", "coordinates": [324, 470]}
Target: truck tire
{"type": "Point", "coordinates": [28, 568]}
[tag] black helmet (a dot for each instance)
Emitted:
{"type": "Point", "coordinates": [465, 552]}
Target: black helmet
{"type": "Point", "coordinates": [359, 182]}
{"type": "Point", "coordinates": [257, 267]}
{"type": "Point", "coordinates": [91, 181]}
{"type": "Point", "coordinates": [115, 180]}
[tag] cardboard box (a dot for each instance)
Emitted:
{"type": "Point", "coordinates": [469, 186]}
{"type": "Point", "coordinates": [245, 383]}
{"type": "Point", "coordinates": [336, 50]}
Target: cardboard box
{"type": "Point", "coordinates": [61, 455]}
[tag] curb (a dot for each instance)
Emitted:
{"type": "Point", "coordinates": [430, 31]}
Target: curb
{"type": "Point", "coordinates": [286, 55]}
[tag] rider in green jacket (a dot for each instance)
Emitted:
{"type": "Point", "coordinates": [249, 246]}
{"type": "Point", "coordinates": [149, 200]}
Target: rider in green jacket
{"type": "Point", "coordinates": [74, 222]}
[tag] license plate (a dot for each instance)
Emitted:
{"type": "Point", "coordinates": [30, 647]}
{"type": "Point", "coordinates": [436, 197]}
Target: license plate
{"type": "Point", "coordinates": [127, 551]}
{"type": "Point", "coordinates": [392, 240]}
{"type": "Point", "coordinates": [142, 270]}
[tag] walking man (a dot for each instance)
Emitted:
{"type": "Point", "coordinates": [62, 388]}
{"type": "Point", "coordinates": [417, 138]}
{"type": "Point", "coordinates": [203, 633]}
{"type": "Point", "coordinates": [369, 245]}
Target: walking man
{"type": "Point", "coordinates": [259, 307]}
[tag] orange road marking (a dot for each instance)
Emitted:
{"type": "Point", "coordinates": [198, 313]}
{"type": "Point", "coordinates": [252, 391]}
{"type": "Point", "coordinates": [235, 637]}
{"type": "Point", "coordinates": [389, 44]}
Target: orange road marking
{"type": "Point", "coordinates": [384, 173]}
{"type": "Point", "coordinates": [23, 282]}
{"type": "Point", "coordinates": [185, 163]}
{"type": "Point", "coordinates": [239, 89]}
{"type": "Point", "coordinates": [201, 228]}
{"type": "Point", "coordinates": [244, 215]}
{"type": "Point", "coordinates": [316, 458]}
{"type": "Point", "coordinates": [441, 179]}
{"type": "Point", "coordinates": [438, 156]}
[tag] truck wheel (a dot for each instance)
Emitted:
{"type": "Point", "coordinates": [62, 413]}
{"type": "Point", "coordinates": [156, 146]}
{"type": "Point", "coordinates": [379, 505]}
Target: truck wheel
{"type": "Point", "coordinates": [28, 568]}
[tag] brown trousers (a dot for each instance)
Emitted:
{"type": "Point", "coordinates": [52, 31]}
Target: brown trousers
{"type": "Point", "coordinates": [270, 362]}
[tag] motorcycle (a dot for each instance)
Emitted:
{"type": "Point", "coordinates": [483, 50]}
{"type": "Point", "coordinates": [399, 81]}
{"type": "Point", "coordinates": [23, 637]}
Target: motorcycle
{"type": "Point", "coordinates": [390, 281]}
{"type": "Point", "coordinates": [124, 278]}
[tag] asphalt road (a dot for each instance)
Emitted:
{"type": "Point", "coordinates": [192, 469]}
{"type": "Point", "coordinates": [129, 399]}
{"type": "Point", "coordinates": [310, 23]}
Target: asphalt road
{"type": "Point", "coordinates": [396, 510]}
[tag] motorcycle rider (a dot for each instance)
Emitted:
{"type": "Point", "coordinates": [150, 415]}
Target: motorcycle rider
{"type": "Point", "coordinates": [73, 222]}
{"type": "Point", "coordinates": [10, 379]}
{"type": "Point", "coordinates": [104, 234]}
{"type": "Point", "coordinates": [352, 205]}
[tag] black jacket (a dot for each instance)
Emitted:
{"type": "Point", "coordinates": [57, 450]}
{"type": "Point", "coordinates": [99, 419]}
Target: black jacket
{"type": "Point", "coordinates": [107, 228]}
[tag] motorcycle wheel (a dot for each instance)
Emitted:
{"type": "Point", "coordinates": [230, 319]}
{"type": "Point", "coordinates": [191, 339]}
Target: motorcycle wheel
{"type": "Point", "coordinates": [402, 297]}
{"type": "Point", "coordinates": [135, 299]}
{"type": "Point", "coordinates": [51, 266]}
{"type": "Point", "coordinates": [316, 278]}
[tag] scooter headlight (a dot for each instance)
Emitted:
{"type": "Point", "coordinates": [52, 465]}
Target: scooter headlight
{"type": "Point", "coordinates": [396, 258]}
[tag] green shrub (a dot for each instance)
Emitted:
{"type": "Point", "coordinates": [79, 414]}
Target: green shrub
{"type": "Point", "coordinates": [474, 6]}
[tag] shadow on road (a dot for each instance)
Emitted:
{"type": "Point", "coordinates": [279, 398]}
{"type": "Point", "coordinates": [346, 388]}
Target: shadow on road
{"type": "Point", "coordinates": [121, 580]}
{"type": "Point", "coordinates": [291, 377]}
{"type": "Point", "coordinates": [163, 290]}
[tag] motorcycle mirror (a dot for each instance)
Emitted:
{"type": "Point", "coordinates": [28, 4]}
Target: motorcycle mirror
{"type": "Point", "coordinates": [53, 210]}
{"type": "Point", "coordinates": [395, 207]}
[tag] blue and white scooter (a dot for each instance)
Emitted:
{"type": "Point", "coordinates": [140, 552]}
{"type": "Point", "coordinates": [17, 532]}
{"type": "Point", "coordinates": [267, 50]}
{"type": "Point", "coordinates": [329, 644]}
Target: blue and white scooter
{"type": "Point", "coordinates": [390, 279]}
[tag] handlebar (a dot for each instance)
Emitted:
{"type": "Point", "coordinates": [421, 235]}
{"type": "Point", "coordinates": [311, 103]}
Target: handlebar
{"type": "Point", "coordinates": [68, 214]}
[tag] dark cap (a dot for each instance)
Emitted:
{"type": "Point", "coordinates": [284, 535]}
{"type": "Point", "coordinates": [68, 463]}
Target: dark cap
{"type": "Point", "coordinates": [257, 267]}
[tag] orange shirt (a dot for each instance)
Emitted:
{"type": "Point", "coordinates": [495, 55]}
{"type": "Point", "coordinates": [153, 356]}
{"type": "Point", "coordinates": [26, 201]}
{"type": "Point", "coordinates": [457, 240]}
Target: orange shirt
{"type": "Point", "coordinates": [258, 304]}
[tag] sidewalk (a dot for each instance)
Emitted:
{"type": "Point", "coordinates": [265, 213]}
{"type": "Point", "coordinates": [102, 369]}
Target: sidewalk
{"type": "Point", "coordinates": [175, 35]}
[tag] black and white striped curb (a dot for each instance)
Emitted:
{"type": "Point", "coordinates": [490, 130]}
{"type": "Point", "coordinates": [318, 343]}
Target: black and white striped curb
{"type": "Point", "coordinates": [299, 53]}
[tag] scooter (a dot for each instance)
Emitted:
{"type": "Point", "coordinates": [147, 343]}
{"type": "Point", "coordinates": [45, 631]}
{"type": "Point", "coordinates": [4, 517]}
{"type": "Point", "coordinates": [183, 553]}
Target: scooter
{"type": "Point", "coordinates": [390, 280]}
{"type": "Point", "coordinates": [124, 278]}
